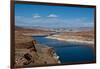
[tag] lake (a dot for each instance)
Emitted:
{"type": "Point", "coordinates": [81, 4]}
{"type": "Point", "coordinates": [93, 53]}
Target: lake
{"type": "Point", "coordinates": [69, 52]}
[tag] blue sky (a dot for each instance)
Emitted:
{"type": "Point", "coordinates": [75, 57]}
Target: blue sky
{"type": "Point", "coordinates": [53, 16]}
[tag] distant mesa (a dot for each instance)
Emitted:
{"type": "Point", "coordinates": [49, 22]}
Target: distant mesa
{"type": "Point", "coordinates": [73, 29]}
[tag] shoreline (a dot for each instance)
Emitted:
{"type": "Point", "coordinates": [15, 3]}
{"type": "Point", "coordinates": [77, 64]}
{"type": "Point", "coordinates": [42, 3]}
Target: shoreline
{"type": "Point", "coordinates": [54, 54]}
{"type": "Point", "coordinates": [70, 40]}
{"type": "Point", "coordinates": [28, 52]}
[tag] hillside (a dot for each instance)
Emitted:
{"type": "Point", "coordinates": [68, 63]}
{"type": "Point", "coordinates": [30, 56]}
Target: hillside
{"type": "Point", "coordinates": [29, 53]}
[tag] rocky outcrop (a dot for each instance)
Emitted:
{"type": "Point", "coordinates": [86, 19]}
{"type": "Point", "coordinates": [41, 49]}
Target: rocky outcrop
{"type": "Point", "coordinates": [29, 53]}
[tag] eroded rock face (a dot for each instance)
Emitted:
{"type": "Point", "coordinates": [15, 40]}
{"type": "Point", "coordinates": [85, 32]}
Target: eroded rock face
{"type": "Point", "coordinates": [29, 53]}
{"type": "Point", "coordinates": [25, 59]}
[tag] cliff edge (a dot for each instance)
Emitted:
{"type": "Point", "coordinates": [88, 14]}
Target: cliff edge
{"type": "Point", "coordinates": [29, 53]}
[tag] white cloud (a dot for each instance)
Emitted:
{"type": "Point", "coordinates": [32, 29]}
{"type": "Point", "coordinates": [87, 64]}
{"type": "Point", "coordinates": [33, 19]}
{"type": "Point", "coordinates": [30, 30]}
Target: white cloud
{"type": "Point", "coordinates": [52, 15]}
{"type": "Point", "coordinates": [36, 16]}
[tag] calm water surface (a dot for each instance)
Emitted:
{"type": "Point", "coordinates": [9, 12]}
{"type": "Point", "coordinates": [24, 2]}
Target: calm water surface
{"type": "Point", "coordinates": [69, 51]}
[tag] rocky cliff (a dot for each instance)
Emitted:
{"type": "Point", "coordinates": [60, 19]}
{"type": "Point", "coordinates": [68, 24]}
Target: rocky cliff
{"type": "Point", "coordinates": [29, 53]}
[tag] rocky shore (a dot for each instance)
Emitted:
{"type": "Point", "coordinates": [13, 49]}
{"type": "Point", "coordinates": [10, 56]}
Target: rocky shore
{"type": "Point", "coordinates": [29, 53]}
{"type": "Point", "coordinates": [80, 37]}
{"type": "Point", "coordinates": [70, 40]}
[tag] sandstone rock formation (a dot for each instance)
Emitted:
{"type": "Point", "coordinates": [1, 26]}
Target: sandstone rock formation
{"type": "Point", "coordinates": [29, 53]}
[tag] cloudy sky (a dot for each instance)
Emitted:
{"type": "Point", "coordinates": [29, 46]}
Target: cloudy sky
{"type": "Point", "coordinates": [53, 16]}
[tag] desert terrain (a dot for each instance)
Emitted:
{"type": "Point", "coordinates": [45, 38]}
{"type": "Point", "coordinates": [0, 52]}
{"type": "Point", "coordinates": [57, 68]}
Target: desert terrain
{"type": "Point", "coordinates": [29, 53]}
{"type": "Point", "coordinates": [82, 37]}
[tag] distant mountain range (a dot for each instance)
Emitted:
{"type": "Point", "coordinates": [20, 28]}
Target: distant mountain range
{"type": "Point", "coordinates": [56, 29]}
{"type": "Point", "coordinates": [18, 27]}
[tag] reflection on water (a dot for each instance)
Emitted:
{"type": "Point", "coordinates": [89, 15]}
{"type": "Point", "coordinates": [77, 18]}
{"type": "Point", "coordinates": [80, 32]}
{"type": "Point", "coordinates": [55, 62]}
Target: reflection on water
{"type": "Point", "coordinates": [69, 51]}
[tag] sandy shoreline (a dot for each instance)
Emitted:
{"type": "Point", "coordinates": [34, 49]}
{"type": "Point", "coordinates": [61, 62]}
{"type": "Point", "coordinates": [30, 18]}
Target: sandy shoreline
{"type": "Point", "coordinates": [70, 40]}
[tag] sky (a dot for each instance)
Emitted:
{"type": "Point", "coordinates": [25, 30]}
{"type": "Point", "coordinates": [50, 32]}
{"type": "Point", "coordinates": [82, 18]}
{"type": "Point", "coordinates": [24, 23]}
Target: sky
{"type": "Point", "coordinates": [53, 16]}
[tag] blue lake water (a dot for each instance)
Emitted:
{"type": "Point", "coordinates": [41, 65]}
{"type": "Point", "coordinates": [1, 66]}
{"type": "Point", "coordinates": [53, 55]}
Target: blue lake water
{"type": "Point", "coordinates": [69, 51]}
